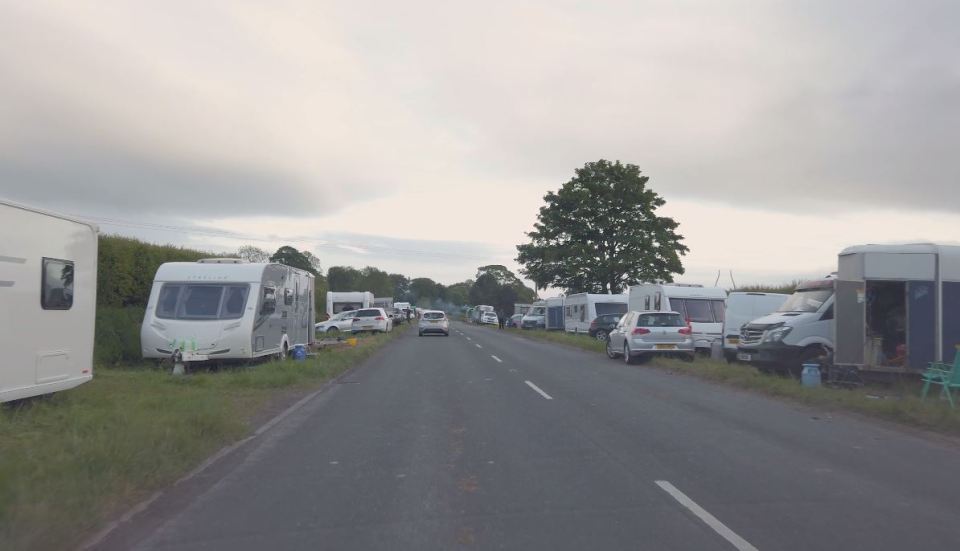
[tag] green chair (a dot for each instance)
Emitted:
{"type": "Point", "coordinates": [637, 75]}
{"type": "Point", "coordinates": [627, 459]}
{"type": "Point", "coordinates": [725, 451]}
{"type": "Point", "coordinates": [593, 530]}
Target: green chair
{"type": "Point", "coordinates": [945, 375]}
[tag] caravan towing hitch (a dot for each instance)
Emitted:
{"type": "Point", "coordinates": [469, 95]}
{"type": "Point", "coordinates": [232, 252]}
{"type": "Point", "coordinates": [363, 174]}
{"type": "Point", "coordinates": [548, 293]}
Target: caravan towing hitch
{"type": "Point", "coordinates": [177, 358]}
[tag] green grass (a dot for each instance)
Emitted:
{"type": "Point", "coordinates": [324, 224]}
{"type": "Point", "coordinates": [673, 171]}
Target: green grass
{"type": "Point", "coordinates": [893, 402]}
{"type": "Point", "coordinates": [74, 460]}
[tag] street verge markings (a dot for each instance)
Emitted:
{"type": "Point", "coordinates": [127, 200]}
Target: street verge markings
{"type": "Point", "coordinates": [496, 358]}
{"type": "Point", "coordinates": [708, 519]}
{"type": "Point", "coordinates": [539, 391]}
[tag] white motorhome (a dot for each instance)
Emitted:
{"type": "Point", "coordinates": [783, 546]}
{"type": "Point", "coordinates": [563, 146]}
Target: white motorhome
{"type": "Point", "coordinates": [48, 301]}
{"type": "Point", "coordinates": [477, 315]}
{"type": "Point", "coordinates": [582, 308]}
{"type": "Point", "coordinates": [227, 309]}
{"type": "Point", "coordinates": [348, 300]}
{"type": "Point", "coordinates": [742, 308]}
{"type": "Point", "coordinates": [703, 307]}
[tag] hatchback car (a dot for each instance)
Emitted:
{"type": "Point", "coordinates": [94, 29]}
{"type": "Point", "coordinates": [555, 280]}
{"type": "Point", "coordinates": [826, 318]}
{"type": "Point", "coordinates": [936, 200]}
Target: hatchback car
{"type": "Point", "coordinates": [433, 321]}
{"type": "Point", "coordinates": [601, 326]}
{"type": "Point", "coordinates": [646, 334]}
{"type": "Point", "coordinates": [339, 322]}
{"type": "Point", "coordinates": [372, 319]}
{"type": "Point", "coordinates": [489, 318]}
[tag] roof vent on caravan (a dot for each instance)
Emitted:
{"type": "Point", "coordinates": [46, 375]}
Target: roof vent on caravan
{"type": "Point", "coordinates": [222, 261]}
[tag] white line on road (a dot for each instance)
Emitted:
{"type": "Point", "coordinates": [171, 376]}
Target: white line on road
{"type": "Point", "coordinates": [496, 358]}
{"type": "Point", "coordinates": [469, 339]}
{"type": "Point", "coordinates": [477, 345]}
{"type": "Point", "coordinates": [710, 520]}
{"type": "Point", "coordinates": [539, 390]}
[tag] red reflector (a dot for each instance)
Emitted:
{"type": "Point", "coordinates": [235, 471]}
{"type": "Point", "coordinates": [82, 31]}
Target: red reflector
{"type": "Point", "coordinates": [641, 331]}
{"type": "Point", "coordinates": [685, 331]}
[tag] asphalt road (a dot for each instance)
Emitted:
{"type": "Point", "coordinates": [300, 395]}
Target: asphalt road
{"type": "Point", "coordinates": [484, 440]}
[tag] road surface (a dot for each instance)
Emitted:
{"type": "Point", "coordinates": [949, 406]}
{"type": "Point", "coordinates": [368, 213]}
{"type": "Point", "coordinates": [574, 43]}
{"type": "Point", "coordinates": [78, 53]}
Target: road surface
{"type": "Point", "coordinates": [484, 440]}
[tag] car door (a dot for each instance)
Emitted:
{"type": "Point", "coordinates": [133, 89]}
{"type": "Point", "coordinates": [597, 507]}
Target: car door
{"type": "Point", "coordinates": [617, 334]}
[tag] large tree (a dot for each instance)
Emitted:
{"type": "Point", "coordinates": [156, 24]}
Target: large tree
{"type": "Point", "coordinates": [344, 278]}
{"type": "Point", "coordinates": [376, 281]}
{"type": "Point", "coordinates": [506, 278]}
{"type": "Point", "coordinates": [600, 233]}
{"type": "Point", "coordinates": [253, 254]}
{"type": "Point", "coordinates": [292, 257]}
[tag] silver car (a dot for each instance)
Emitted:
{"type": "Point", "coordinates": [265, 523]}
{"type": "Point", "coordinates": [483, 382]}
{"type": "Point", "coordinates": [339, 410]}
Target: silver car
{"type": "Point", "coordinates": [339, 322]}
{"type": "Point", "coordinates": [433, 321]}
{"type": "Point", "coordinates": [645, 334]}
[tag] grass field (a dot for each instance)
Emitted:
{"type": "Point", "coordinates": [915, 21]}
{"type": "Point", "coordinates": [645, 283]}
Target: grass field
{"type": "Point", "coordinates": [74, 460]}
{"type": "Point", "coordinates": [898, 402]}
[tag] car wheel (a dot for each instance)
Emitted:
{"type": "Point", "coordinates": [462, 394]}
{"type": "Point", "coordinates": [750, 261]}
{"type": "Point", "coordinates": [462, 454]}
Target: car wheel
{"type": "Point", "coordinates": [333, 330]}
{"type": "Point", "coordinates": [601, 335]}
{"type": "Point", "coordinates": [689, 357]}
{"type": "Point", "coordinates": [284, 352]}
{"type": "Point", "coordinates": [627, 357]}
{"type": "Point", "coordinates": [610, 353]}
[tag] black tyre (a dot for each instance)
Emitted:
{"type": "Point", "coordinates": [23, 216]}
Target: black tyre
{"type": "Point", "coordinates": [333, 330]}
{"type": "Point", "coordinates": [627, 357]}
{"type": "Point", "coordinates": [610, 352]}
{"type": "Point", "coordinates": [420, 333]}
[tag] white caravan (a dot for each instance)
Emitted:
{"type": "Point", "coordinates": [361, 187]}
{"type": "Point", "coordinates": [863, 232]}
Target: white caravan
{"type": "Point", "coordinates": [227, 309]}
{"type": "Point", "coordinates": [582, 308]}
{"type": "Point", "coordinates": [48, 296]}
{"type": "Point", "coordinates": [703, 307]}
{"type": "Point", "coordinates": [348, 300]}
{"type": "Point", "coordinates": [742, 308]}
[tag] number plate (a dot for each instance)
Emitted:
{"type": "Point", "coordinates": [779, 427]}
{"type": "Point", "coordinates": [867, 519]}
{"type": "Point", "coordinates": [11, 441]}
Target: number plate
{"type": "Point", "coordinates": [666, 346]}
{"type": "Point", "coordinates": [744, 357]}
{"type": "Point", "coordinates": [734, 340]}
{"type": "Point", "coordinates": [434, 321]}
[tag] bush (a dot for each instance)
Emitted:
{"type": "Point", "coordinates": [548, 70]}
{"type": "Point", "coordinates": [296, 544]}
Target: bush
{"type": "Point", "coordinates": [117, 335]}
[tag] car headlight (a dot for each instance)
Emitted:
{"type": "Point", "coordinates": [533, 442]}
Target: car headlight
{"type": "Point", "coordinates": [777, 335]}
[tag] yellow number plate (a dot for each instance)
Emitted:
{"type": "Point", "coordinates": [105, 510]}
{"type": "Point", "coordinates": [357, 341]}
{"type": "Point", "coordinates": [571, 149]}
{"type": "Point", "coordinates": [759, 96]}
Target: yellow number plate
{"type": "Point", "coordinates": [666, 346]}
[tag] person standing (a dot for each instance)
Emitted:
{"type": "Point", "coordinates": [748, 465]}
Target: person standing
{"type": "Point", "coordinates": [501, 320]}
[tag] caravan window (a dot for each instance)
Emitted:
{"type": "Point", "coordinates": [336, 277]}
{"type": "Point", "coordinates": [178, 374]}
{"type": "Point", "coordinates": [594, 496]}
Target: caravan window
{"type": "Point", "coordinates": [201, 302]}
{"type": "Point", "coordinates": [234, 301]}
{"type": "Point", "coordinates": [611, 308]}
{"type": "Point", "coordinates": [269, 304]}
{"type": "Point", "coordinates": [698, 310]}
{"type": "Point", "coordinates": [56, 292]}
{"type": "Point", "coordinates": [288, 297]}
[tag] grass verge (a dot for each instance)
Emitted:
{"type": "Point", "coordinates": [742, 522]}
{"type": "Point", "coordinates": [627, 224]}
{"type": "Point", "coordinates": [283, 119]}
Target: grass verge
{"type": "Point", "coordinates": [74, 460]}
{"type": "Point", "coordinates": [899, 402]}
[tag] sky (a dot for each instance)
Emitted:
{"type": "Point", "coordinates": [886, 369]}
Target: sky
{"type": "Point", "coordinates": [420, 137]}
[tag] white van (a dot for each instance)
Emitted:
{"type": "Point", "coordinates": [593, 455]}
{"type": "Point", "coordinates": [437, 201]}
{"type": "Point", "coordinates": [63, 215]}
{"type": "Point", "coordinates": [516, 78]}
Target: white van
{"type": "Point", "coordinates": [48, 301]}
{"type": "Point", "coordinates": [796, 333]}
{"type": "Point", "coordinates": [227, 309]}
{"type": "Point", "coordinates": [742, 308]}
{"type": "Point", "coordinates": [703, 307]}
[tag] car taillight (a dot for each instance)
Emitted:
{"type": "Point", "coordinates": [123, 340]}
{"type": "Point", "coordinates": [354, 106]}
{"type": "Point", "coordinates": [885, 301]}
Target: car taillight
{"type": "Point", "coordinates": [641, 331]}
{"type": "Point", "coordinates": [685, 331]}
{"type": "Point", "coordinates": [379, 318]}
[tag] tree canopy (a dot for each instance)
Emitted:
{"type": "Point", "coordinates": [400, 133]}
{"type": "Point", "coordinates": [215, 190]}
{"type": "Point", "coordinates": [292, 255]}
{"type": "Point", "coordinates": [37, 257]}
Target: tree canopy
{"type": "Point", "coordinates": [290, 256]}
{"type": "Point", "coordinates": [600, 233]}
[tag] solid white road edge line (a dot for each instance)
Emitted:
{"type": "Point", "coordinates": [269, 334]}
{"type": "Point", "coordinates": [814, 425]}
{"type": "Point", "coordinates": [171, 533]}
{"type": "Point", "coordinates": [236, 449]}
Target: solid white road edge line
{"type": "Point", "coordinates": [710, 520]}
{"type": "Point", "coordinates": [539, 390]}
{"type": "Point", "coordinates": [496, 358]}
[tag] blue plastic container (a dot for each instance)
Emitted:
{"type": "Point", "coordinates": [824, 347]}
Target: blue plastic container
{"type": "Point", "coordinates": [299, 352]}
{"type": "Point", "coordinates": [810, 376]}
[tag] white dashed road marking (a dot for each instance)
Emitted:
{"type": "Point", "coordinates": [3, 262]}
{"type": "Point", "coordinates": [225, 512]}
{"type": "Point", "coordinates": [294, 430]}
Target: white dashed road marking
{"type": "Point", "coordinates": [539, 390]}
{"type": "Point", "coordinates": [496, 358]}
{"type": "Point", "coordinates": [708, 519]}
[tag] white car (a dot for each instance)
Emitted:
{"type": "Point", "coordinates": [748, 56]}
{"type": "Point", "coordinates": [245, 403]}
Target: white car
{"type": "Point", "coordinates": [339, 322]}
{"type": "Point", "coordinates": [489, 318]}
{"type": "Point", "coordinates": [433, 321]}
{"type": "Point", "coordinates": [646, 334]}
{"type": "Point", "coordinates": [372, 319]}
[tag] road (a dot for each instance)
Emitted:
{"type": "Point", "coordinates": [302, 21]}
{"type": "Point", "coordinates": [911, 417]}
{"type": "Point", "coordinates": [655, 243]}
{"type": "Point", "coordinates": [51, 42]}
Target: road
{"type": "Point", "coordinates": [485, 440]}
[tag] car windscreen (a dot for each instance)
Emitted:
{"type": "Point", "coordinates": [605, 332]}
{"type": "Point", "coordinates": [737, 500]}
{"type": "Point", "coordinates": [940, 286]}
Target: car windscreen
{"type": "Point", "coordinates": [433, 316]}
{"type": "Point", "coordinates": [537, 311]}
{"type": "Point", "coordinates": [660, 320]}
{"type": "Point", "coordinates": [184, 301]}
{"type": "Point", "coordinates": [806, 300]}
{"type": "Point", "coordinates": [611, 308]}
{"type": "Point", "coordinates": [368, 314]}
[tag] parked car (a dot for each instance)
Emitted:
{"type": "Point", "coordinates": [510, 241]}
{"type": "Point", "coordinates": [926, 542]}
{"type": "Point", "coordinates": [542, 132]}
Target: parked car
{"type": "Point", "coordinates": [433, 321]}
{"type": "Point", "coordinates": [397, 316]}
{"type": "Point", "coordinates": [372, 319]}
{"type": "Point", "coordinates": [646, 334]}
{"type": "Point", "coordinates": [536, 318]}
{"type": "Point", "coordinates": [601, 326]}
{"type": "Point", "coordinates": [514, 320]}
{"type": "Point", "coordinates": [489, 318]}
{"type": "Point", "coordinates": [339, 322]}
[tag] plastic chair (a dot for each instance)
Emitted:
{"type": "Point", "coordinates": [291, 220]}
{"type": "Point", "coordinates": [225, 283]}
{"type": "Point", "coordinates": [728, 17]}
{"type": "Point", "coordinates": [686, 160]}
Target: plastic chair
{"type": "Point", "coordinates": [945, 375]}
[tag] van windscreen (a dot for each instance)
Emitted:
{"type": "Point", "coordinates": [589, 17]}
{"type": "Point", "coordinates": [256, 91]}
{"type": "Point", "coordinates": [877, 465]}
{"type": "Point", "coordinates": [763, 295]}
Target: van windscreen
{"type": "Point", "coordinates": [806, 300]}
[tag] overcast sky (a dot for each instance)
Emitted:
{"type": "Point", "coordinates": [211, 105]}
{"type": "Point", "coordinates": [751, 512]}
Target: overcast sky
{"type": "Point", "coordinates": [420, 137]}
